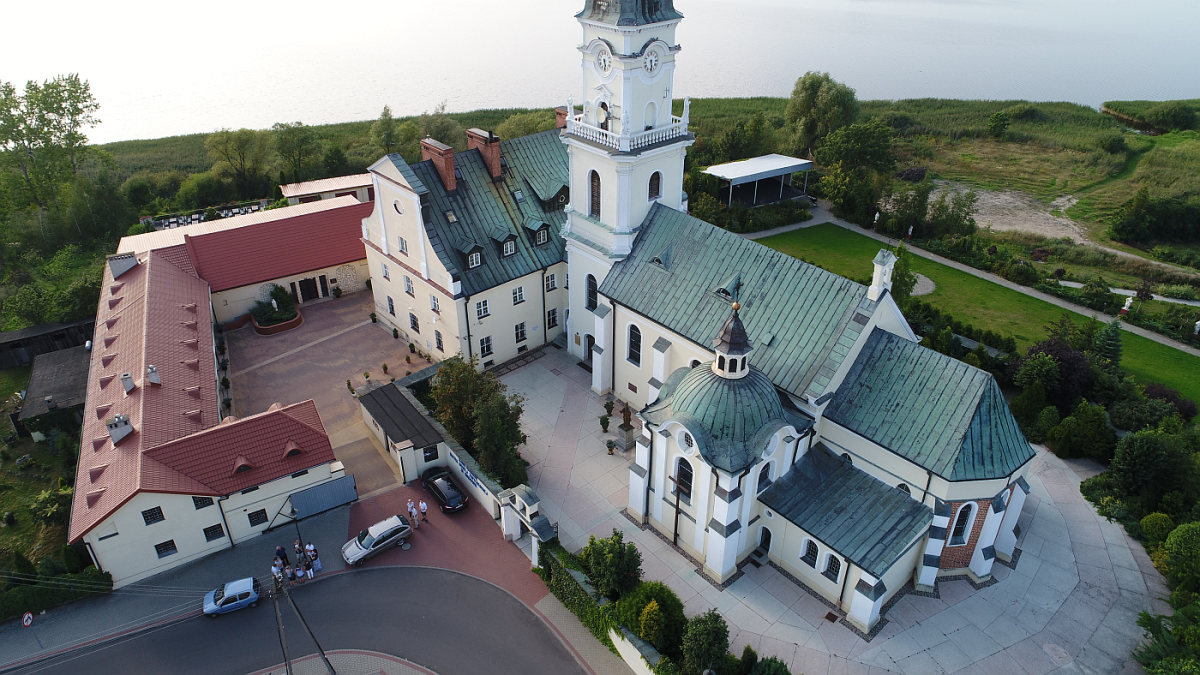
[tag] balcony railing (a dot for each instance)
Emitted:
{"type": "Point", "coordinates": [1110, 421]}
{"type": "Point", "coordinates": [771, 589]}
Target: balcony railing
{"type": "Point", "coordinates": [627, 140]}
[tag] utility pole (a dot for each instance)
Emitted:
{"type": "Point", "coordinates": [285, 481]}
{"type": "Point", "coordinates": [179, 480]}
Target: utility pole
{"type": "Point", "coordinates": [320, 651]}
{"type": "Point", "coordinates": [287, 660]}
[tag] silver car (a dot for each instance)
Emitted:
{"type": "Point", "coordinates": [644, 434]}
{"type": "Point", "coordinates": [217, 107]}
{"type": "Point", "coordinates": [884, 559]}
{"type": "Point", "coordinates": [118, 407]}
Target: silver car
{"type": "Point", "coordinates": [390, 532]}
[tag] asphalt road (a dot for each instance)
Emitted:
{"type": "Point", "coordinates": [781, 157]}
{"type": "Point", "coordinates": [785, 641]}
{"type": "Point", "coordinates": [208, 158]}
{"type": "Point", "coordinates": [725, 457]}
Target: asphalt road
{"type": "Point", "coordinates": [449, 623]}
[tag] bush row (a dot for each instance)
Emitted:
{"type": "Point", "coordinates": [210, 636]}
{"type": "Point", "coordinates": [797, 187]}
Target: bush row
{"type": "Point", "coordinates": [51, 591]}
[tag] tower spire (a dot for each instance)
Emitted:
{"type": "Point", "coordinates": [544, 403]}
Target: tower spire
{"type": "Point", "coordinates": [732, 345]}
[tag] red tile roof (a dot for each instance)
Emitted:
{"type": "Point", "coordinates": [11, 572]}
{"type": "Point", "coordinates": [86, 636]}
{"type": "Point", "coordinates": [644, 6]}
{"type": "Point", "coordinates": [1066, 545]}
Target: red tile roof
{"type": "Point", "coordinates": [158, 314]}
{"type": "Point", "coordinates": [271, 250]}
{"type": "Point", "coordinates": [261, 442]}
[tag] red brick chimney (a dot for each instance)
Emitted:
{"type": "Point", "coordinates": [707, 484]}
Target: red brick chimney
{"type": "Point", "coordinates": [488, 145]}
{"type": "Point", "coordinates": [560, 117]}
{"type": "Point", "coordinates": [443, 160]}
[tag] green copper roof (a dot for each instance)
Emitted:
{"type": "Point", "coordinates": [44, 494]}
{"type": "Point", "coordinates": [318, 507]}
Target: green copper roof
{"type": "Point", "coordinates": [731, 420]}
{"type": "Point", "coordinates": [813, 317]}
{"type": "Point", "coordinates": [629, 12]}
{"type": "Point", "coordinates": [938, 412]}
{"type": "Point", "coordinates": [488, 213]}
{"type": "Point", "coordinates": [848, 510]}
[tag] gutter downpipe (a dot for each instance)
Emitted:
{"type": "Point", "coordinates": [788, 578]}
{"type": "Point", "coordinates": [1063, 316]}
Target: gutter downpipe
{"type": "Point", "coordinates": [845, 581]}
{"type": "Point", "coordinates": [467, 322]}
{"type": "Point", "coordinates": [545, 328]}
{"type": "Point", "coordinates": [613, 346]}
{"type": "Point", "coordinates": [650, 473]}
{"type": "Point", "coordinates": [928, 482]}
{"type": "Point", "coordinates": [225, 522]}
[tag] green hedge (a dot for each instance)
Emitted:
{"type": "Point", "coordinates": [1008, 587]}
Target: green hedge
{"type": "Point", "coordinates": [49, 592]}
{"type": "Point", "coordinates": [567, 589]}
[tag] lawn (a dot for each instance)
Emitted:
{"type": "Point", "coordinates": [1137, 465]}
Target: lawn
{"type": "Point", "coordinates": [982, 303]}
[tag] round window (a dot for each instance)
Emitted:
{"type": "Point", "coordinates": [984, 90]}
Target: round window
{"type": "Point", "coordinates": [396, 205]}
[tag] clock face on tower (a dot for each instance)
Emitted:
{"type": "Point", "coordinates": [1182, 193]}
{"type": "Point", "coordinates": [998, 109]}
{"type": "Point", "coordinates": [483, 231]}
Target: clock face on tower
{"type": "Point", "coordinates": [604, 61]}
{"type": "Point", "coordinates": [652, 62]}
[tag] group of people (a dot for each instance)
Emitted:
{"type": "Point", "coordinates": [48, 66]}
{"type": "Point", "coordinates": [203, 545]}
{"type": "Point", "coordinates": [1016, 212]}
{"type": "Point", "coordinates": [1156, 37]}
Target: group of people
{"type": "Point", "coordinates": [412, 512]}
{"type": "Point", "coordinates": [308, 563]}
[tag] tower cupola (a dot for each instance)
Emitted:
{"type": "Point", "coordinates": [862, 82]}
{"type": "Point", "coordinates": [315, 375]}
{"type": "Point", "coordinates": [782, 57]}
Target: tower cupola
{"type": "Point", "coordinates": [732, 345]}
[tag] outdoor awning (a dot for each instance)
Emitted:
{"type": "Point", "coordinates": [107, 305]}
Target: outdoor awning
{"type": "Point", "coordinates": [325, 496]}
{"type": "Point", "coordinates": [758, 168]}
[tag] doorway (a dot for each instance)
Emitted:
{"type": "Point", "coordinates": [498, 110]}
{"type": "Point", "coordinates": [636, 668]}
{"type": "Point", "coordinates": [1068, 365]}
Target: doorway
{"type": "Point", "coordinates": [308, 290]}
{"type": "Point", "coordinates": [588, 343]}
{"type": "Point", "coordinates": [324, 286]}
{"type": "Point", "coordinates": [764, 539]}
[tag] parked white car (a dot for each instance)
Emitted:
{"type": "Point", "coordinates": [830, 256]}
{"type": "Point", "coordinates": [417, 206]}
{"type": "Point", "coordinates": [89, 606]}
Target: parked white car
{"type": "Point", "coordinates": [390, 532]}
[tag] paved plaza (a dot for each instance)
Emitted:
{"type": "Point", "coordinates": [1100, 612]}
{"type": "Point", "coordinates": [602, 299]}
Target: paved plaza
{"type": "Point", "coordinates": [1069, 606]}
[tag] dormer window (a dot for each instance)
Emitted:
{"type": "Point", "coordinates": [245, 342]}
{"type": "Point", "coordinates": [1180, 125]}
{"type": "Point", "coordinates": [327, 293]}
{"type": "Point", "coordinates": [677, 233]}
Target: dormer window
{"type": "Point", "coordinates": [451, 217]}
{"type": "Point", "coordinates": [519, 196]}
{"type": "Point", "coordinates": [657, 261]}
{"type": "Point", "coordinates": [510, 247]}
{"type": "Point", "coordinates": [474, 260]}
{"type": "Point", "coordinates": [543, 236]}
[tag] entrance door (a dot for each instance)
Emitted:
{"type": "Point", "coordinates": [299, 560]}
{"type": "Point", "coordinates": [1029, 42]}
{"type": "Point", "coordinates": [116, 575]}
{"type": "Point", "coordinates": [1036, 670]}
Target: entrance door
{"type": "Point", "coordinates": [764, 539]}
{"type": "Point", "coordinates": [308, 290]}
{"type": "Point", "coordinates": [324, 286]}
{"type": "Point", "coordinates": [588, 343]}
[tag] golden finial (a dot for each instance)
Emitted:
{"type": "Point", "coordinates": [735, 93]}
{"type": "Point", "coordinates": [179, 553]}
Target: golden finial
{"type": "Point", "coordinates": [737, 306]}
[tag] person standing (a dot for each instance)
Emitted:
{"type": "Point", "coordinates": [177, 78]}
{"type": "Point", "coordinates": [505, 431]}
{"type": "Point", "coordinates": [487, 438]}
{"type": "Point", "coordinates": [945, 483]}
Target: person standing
{"type": "Point", "coordinates": [424, 511]}
{"type": "Point", "coordinates": [291, 575]}
{"type": "Point", "coordinates": [316, 557]}
{"type": "Point", "coordinates": [412, 514]}
{"type": "Point", "coordinates": [308, 567]}
{"type": "Point", "coordinates": [276, 568]}
{"type": "Point", "coordinates": [282, 555]}
{"type": "Point", "coordinates": [299, 553]}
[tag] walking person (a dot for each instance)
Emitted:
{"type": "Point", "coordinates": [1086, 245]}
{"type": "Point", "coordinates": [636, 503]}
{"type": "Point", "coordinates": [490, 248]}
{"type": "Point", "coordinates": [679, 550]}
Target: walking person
{"type": "Point", "coordinates": [282, 555]}
{"type": "Point", "coordinates": [424, 511]}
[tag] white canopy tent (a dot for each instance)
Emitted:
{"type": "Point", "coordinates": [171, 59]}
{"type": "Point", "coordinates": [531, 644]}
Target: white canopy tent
{"type": "Point", "coordinates": [758, 168]}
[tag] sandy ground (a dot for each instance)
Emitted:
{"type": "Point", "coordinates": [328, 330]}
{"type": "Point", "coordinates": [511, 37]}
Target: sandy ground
{"type": "Point", "coordinates": [924, 286]}
{"type": "Point", "coordinates": [1010, 210]}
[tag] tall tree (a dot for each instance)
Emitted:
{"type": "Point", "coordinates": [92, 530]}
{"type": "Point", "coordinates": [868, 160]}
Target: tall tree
{"type": "Point", "coordinates": [70, 108]}
{"type": "Point", "coordinates": [1107, 344]}
{"type": "Point", "coordinates": [904, 280]}
{"type": "Point", "coordinates": [383, 131]}
{"type": "Point", "coordinates": [860, 146]}
{"type": "Point", "coordinates": [818, 107]}
{"type": "Point", "coordinates": [296, 143]}
{"type": "Point", "coordinates": [243, 151]}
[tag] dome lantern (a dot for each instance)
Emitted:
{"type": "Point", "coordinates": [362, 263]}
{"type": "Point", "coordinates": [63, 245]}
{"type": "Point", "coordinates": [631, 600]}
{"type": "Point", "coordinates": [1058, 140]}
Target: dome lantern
{"type": "Point", "coordinates": [732, 345]}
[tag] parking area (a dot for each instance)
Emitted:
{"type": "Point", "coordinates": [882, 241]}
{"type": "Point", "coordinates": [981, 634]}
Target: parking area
{"type": "Point", "coordinates": [336, 342]}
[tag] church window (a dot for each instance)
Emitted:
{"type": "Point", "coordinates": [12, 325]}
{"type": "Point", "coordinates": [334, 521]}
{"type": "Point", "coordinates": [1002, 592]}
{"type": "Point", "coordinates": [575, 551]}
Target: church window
{"type": "Point", "coordinates": [833, 567]}
{"type": "Point", "coordinates": [720, 363]}
{"type": "Point", "coordinates": [552, 318]}
{"type": "Point", "coordinates": [958, 536]}
{"type": "Point", "coordinates": [810, 553]}
{"type": "Point", "coordinates": [764, 477]}
{"type": "Point", "coordinates": [510, 247]}
{"type": "Point", "coordinates": [474, 260]}
{"type": "Point", "coordinates": [391, 306]}
{"type": "Point", "coordinates": [655, 185]}
{"type": "Point", "coordinates": [683, 479]}
{"type": "Point", "coordinates": [594, 208]}
{"type": "Point", "coordinates": [688, 440]}
{"type": "Point", "coordinates": [733, 365]}
{"type": "Point", "coordinates": [635, 346]}
{"type": "Point", "coordinates": [694, 363]}
{"type": "Point", "coordinates": [591, 292]}
{"type": "Point", "coordinates": [846, 456]}
{"type": "Point", "coordinates": [904, 488]}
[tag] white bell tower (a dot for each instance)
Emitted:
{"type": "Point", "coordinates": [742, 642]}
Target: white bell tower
{"type": "Point", "coordinates": [626, 149]}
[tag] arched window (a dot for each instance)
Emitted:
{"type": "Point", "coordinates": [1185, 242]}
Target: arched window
{"type": "Point", "coordinates": [720, 363]}
{"type": "Point", "coordinates": [635, 346]}
{"type": "Point", "coordinates": [764, 477]}
{"type": "Point", "coordinates": [591, 292]}
{"type": "Point", "coordinates": [809, 554]}
{"type": "Point", "coordinates": [833, 567]}
{"type": "Point", "coordinates": [733, 365]}
{"type": "Point", "coordinates": [962, 524]}
{"type": "Point", "coordinates": [846, 456]}
{"type": "Point", "coordinates": [904, 488]}
{"type": "Point", "coordinates": [694, 363]}
{"type": "Point", "coordinates": [683, 478]}
{"type": "Point", "coordinates": [604, 115]}
{"type": "Point", "coordinates": [594, 208]}
{"type": "Point", "coordinates": [655, 185]}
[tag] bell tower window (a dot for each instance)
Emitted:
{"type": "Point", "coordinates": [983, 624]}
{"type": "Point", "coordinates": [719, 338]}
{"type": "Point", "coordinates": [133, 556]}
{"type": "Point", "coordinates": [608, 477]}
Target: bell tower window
{"type": "Point", "coordinates": [655, 185]}
{"type": "Point", "coordinates": [594, 206]}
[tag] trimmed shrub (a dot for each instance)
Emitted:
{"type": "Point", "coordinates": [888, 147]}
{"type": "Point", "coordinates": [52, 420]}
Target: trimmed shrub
{"type": "Point", "coordinates": [1084, 434]}
{"type": "Point", "coordinates": [613, 566]}
{"type": "Point", "coordinates": [630, 608]}
{"type": "Point", "coordinates": [770, 666]}
{"type": "Point", "coordinates": [705, 643]}
{"type": "Point", "coordinates": [1157, 526]}
{"type": "Point", "coordinates": [1139, 414]}
{"type": "Point", "coordinates": [48, 593]}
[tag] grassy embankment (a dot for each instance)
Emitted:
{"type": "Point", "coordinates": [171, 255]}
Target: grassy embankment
{"type": "Point", "coordinates": [19, 486]}
{"type": "Point", "coordinates": [984, 304]}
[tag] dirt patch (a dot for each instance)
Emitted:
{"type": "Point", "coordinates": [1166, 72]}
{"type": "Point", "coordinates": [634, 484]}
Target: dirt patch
{"type": "Point", "coordinates": [924, 286]}
{"type": "Point", "coordinates": [1008, 210]}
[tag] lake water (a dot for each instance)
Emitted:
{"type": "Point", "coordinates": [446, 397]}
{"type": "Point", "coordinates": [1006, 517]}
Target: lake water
{"type": "Point", "coordinates": [170, 68]}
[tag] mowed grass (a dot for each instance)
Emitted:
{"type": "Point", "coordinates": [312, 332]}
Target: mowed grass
{"type": "Point", "coordinates": [984, 304]}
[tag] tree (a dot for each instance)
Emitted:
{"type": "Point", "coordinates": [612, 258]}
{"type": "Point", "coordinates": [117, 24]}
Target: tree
{"type": "Point", "coordinates": [1183, 545]}
{"type": "Point", "coordinates": [1157, 527]}
{"type": "Point", "coordinates": [441, 127]}
{"type": "Point", "coordinates": [705, 643]}
{"type": "Point", "coordinates": [71, 559]}
{"type": "Point", "coordinates": [952, 213]}
{"type": "Point", "coordinates": [770, 666]}
{"type": "Point", "coordinates": [997, 124]}
{"type": "Point", "coordinates": [749, 660]}
{"type": "Point", "coordinates": [296, 144]}
{"type": "Point", "coordinates": [1135, 222]}
{"type": "Point", "coordinates": [1097, 292]}
{"type": "Point", "coordinates": [863, 146]}
{"type": "Point", "coordinates": [1139, 413]}
{"type": "Point", "coordinates": [1148, 464]}
{"type": "Point", "coordinates": [1029, 404]}
{"type": "Point", "coordinates": [69, 108]}
{"type": "Point", "coordinates": [525, 124]}
{"type": "Point", "coordinates": [1085, 433]}
{"type": "Point", "coordinates": [457, 389]}
{"type": "Point", "coordinates": [497, 435]}
{"type": "Point", "coordinates": [910, 208]}
{"type": "Point", "coordinates": [26, 572]}
{"type": "Point", "coordinates": [1075, 373]}
{"type": "Point", "coordinates": [904, 280]}
{"type": "Point", "coordinates": [650, 623]}
{"type": "Point", "coordinates": [243, 152]}
{"type": "Point", "coordinates": [1039, 368]}
{"type": "Point", "coordinates": [334, 161]}
{"type": "Point", "coordinates": [632, 605]}
{"type": "Point", "coordinates": [613, 566]}
{"type": "Point", "coordinates": [383, 131]}
{"type": "Point", "coordinates": [818, 107]}
{"type": "Point", "coordinates": [53, 506]}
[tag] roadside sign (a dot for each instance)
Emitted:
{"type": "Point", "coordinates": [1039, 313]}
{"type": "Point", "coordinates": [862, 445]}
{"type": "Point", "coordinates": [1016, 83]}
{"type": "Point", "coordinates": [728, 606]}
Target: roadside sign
{"type": "Point", "coordinates": [27, 620]}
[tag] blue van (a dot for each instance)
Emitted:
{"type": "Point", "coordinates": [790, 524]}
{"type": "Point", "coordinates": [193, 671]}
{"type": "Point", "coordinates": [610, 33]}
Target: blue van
{"type": "Point", "coordinates": [232, 596]}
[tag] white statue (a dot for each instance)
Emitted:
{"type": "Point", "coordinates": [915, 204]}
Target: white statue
{"type": "Point", "coordinates": [687, 110]}
{"type": "Point", "coordinates": [274, 305]}
{"type": "Point", "coordinates": [1128, 303]}
{"type": "Point", "coordinates": [625, 123]}
{"type": "Point", "coordinates": [1197, 328]}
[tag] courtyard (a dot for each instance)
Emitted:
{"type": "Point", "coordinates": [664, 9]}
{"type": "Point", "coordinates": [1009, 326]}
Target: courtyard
{"type": "Point", "coordinates": [1068, 605]}
{"type": "Point", "coordinates": [336, 342]}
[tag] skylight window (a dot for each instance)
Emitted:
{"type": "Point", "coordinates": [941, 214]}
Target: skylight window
{"type": "Point", "coordinates": [519, 196]}
{"type": "Point", "coordinates": [451, 217]}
